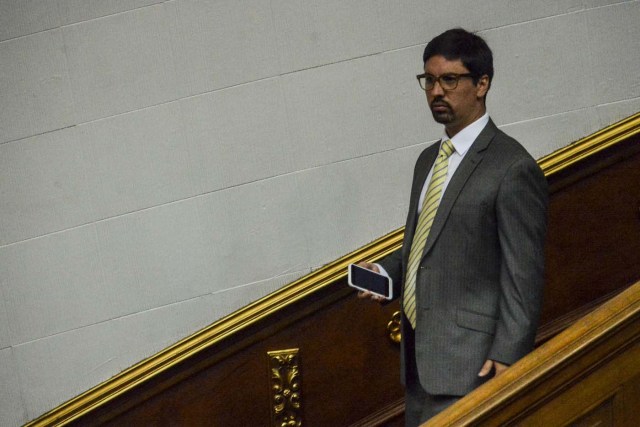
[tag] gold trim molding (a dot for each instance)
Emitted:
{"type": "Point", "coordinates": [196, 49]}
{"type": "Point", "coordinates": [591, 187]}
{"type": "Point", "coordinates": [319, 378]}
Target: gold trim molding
{"type": "Point", "coordinates": [296, 291]}
{"type": "Point", "coordinates": [286, 388]}
{"type": "Point", "coordinates": [590, 145]}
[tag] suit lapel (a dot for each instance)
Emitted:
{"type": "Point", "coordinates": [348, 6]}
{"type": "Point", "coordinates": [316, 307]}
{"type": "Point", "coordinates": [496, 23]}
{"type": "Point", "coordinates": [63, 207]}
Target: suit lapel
{"type": "Point", "coordinates": [458, 180]}
{"type": "Point", "coordinates": [422, 170]}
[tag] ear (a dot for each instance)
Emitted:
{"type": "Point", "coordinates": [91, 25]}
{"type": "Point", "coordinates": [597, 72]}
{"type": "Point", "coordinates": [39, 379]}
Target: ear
{"type": "Point", "coordinates": [483, 86]}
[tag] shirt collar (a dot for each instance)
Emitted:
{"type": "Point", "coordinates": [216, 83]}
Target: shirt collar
{"type": "Point", "coordinates": [462, 140]}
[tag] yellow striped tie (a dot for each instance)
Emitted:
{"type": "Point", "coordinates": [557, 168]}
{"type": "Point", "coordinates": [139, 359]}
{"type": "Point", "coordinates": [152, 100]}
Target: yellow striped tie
{"type": "Point", "coordinates": [425, 220]}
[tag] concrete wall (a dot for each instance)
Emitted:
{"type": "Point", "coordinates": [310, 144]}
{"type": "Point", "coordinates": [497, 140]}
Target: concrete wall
{"type": "Point", "coordinates": [163, 163]}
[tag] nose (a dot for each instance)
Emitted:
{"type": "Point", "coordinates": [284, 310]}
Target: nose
{"type": "Point", "coordinates": [437, 89]}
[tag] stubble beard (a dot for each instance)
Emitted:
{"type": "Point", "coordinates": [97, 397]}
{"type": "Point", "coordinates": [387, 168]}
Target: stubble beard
{"type": "Point", "coordinates": [443, 117]}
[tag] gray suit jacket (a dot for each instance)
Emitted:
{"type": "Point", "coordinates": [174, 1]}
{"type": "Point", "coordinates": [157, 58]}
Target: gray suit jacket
{"type": "Point", "coordinates": [479, 286]}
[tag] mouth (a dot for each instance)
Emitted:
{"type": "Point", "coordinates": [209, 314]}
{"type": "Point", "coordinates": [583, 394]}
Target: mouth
{"type": "Point", "coordinates": [440, 107]}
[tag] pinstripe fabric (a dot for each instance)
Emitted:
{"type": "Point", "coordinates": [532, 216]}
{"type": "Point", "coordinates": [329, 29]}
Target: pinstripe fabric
{"type": "Point", "coordinates": [425, 220]}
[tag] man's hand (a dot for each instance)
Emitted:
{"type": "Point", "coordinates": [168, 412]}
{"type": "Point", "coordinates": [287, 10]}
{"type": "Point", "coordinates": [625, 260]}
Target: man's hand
{"type": "Point", "coordinates": [489, 365]}
{"type": "Point", "coordinates": [365, 294]}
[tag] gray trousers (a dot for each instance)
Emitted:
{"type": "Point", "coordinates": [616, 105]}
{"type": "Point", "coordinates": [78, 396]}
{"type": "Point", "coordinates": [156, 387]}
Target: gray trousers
{"type": "Point", "coordinates": [420, 405]}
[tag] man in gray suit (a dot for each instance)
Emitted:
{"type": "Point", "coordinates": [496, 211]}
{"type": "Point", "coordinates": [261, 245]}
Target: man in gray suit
{"type": "Point", "coordinates": [470, 272]}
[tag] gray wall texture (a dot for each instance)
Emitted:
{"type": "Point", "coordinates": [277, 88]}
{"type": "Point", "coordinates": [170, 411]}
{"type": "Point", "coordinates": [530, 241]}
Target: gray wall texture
{"type": "Point", "coordinates": [164, 163]}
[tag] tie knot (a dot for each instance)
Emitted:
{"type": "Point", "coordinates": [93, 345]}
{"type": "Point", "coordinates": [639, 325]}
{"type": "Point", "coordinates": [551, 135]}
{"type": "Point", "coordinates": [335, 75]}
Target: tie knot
{"type": "Point", "coordinates": [447, 148]}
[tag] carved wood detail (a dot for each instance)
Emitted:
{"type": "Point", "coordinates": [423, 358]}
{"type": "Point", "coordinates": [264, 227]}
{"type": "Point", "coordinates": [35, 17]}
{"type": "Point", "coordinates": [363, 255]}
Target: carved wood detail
{"type": "Point", "coordinates": [286, 388]}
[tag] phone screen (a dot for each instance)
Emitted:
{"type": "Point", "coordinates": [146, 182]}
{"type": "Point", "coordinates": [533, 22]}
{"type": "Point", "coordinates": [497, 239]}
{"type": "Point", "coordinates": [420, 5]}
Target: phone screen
{"type": "Point", "coordinates": [365, 279]}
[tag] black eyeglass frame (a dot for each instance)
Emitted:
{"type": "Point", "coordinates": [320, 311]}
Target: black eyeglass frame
{"type": "Point", "coordinates": [439, 81]}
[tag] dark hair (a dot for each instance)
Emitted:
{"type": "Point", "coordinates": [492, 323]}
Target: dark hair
{"type": "Point", "coordinates": [469, 48]}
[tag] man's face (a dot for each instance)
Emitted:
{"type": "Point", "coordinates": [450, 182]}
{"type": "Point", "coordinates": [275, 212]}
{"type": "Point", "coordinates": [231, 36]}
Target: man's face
{"type": "Point", "coordinates": [459, 107]}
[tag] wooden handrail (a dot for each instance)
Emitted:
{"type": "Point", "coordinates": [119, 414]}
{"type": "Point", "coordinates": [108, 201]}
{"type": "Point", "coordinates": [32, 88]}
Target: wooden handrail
{"type": "Point", "coordinates": [559, 364]}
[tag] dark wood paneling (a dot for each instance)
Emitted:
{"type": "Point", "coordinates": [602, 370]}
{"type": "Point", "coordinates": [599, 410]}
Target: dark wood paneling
{"type": "Point", "coordinates": [593, 241]}
{"type": "Point", "coordinates": [350, 369]}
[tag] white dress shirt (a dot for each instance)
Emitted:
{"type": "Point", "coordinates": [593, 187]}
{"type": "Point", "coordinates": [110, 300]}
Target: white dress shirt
{"type": "Point", "coordinates": [461, 143]}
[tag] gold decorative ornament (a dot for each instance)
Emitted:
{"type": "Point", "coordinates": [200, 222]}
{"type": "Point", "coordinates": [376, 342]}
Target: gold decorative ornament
{"type": "Point", "coordinates": [393, 327]}
{"type": "Point", "coordinates": [286, 397]}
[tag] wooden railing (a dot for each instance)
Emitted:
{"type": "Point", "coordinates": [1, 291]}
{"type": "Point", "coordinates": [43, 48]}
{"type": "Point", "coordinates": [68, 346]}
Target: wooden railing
{"type": "Point", "coordinates": [587, 375]}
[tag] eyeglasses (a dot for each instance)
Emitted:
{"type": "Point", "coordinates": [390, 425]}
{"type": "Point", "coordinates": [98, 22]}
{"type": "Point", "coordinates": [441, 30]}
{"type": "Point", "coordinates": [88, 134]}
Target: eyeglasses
{"type": "Point", "coordinates": [447, 81]}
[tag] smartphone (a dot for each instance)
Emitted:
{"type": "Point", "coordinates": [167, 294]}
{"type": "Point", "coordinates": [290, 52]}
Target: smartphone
{"type": "Point", "coordinates": [366, 280]}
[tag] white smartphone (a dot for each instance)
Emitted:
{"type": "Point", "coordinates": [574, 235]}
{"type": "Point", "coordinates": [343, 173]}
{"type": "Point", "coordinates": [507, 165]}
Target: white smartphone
{"type": "Point", "coordinates": [366, 280]}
